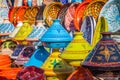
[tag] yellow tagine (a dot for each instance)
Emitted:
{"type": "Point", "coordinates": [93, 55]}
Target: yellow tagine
{"type": "Point", "coordinates": [24, 31]}
{"type": "Point", "coordinates": [55, 68]}
{"type": "Point", "coordinates": [76, 51]}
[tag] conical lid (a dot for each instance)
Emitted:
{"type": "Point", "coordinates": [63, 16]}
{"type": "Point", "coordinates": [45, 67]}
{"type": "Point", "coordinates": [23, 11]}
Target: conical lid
{"type": "Point", "coordinates": [105, 55]}
{"type": "Point", "coordinates": [101, 26]}
{"type": "Point", "coordinates": [81, 73]}
{"type": "Point", "coordinates": [56, 33]}
{"type": "Point", "coordinates": [55, 66]}
{"type": "Point", "coordinates": [77, 49]}
{"type": "Point", "coordinates": [24, 31]}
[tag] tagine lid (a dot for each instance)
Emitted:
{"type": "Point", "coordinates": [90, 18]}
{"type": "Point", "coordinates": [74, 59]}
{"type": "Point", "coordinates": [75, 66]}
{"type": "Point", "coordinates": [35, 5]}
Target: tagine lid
{"type": "Point", "coordinates": [55, 66]}
{"type": "Point", "coordinates": [56, 33]}
{"type": "Point", "coordinates": [105, 55]}
{"type": "Point", "coordinates": [78, 48]}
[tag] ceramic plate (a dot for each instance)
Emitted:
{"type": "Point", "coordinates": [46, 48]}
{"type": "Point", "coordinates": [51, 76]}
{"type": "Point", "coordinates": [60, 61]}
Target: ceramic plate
{"type": "Point", "coordinates": [79, 14]}
{"type": "Point", "coordinates": [68, 22]}
{"type": "Point", "coordinates": [50, 12]}
{"type": "Point", "coordinates": [88, 28]}
{"type": "Point", "coordinates": [94, 8]}
{"type": "Point", "coordinates": [111, 11]}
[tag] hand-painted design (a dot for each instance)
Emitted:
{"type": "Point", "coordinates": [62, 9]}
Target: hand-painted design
{"type": "Point", "coordinates": [111, 12]}
{"type": "Point", "coordinates": [55, 63]}
{"type": "Point", "coordinates": [64, 1]}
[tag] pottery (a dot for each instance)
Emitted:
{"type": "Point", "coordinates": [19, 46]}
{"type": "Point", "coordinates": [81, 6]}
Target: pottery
{"type": "Point", "coordinates": [101, 26]}
{"type": "Point", "coordinates": [76, 51]}
{"type": "Point", "coordinates": [29, 2]}
{"type": "Point", "coordinates": [79, 14]}
{"type": "Point", "coordinates": [69, 17]}
{"type": "Point", "coordinates": [15, 31]}
{"type": "Point", "coordinates": [32, 72]}
{"type": "Point", "coordinates": [39, 15]}
{"type": "Point", "coordinates": [38, 57]}
{"type": "Point", "coordinates": [50, 12]}
{"type": "Point", "coordinates": [62, 12]}
{"type": "Point", "coordinates": [94, 8]}
{"type": "Point", "coordinates": [37, 31]}
{"type": "Point", "coordinates": [17, 51]}
{"type": "Point", "coordinates": [87, 28]}
{"type": "Point", "coordinates": [24, 55]}
{"type": "Point", "coordinates": [55, 68]}
{"type": "Point", "coordinates": [24, 31]}
{"type": "Point", "coordinates": [8, 46]}
{"type": "Point", "coordinates": [112, 14]}
{"type": "Point", "coordinates": [56, 36]}
{"type": "Point", "coordinates": [64, 1]}
{"type": "Point", "coordinates": [104, 56]}
{"type": "Point", "coordinates": [81, 73]}
{"type": "Point", "coordinates": [4, 9]}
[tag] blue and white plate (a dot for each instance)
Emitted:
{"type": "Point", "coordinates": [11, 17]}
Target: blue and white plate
{"type": "Point", "coordinates": [111, 11]}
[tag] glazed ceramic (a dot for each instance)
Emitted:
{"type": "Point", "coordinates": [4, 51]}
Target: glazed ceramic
{"type": "Point", "coordinates": [39, 15]}
{"type": "Point", "coordinates": [17, 28]}
{"type": "Point", "coordinates": [37, 32]}
{"type": "Point", "coordinates": [87, 28]}
{"type": "Point", "coordinates": [33, 73]}
{"type": "Point", "coordinates": [55, 68]}
{"type": "Point", "coordinates": [29, 2]}
{"type": "Point", "coordinates": [69, 16]}
{"type": "Point", "coordinates": [4, 9]}
{"type": "Point", "coordinates": [76, 51]}
{"type": "Point", "coordinates": [62, 12]}
{"type": "Point", "coordinates": [6, 28]}
{"type": "Point", "coordinates": [17, 51]}
{"type": "Point", "coordinates": [81, 73]}
{"type": "Point", "coordinates": [112, 13]}
{"type": "Point", "coordinates": [56, 36]}
{"type": "Point", "coordinates": [64, 1]}
{"type": "Point", "coordinates": [8, 47]}
{"type": "Point", "coordinates": [94, 8]}
{"type": "Point", "coordinates": [104, 56]}
{"type": "Point", "coordinates": [79, 14]}
{"type": "Point", "coordinates": [38, 57]}
{"type": "Point", "coordinates": [24, 55]}
{"type": "Point", "coordinates": [50, 12]}
{"type": "Point", "coordinates": [39, 2]}
{"type": "Point", "coordinates": [24, 31]}
{"type": "Point", "coordinates": [101, 26]}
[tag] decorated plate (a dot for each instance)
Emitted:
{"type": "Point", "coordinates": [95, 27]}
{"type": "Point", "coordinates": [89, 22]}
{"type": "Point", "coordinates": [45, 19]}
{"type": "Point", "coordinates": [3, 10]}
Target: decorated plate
{"type": "Point", "coordinates": [88, 28]}
{"type": "Point", "coordinates": [68, 22]}
{"type": "Point", "coordinates": [50, 12]}
{"type": "Point", "coordinates": [94, 8]}
{"type": "Point", "coordinates": [111, 11]}
{"type": "Point", "coordinates": [62, 12]}
{"type": "Point", "coordinates": [79, 14]}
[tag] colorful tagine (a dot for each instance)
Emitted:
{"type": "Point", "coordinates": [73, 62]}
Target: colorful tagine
{"type": "Point", "coordinates": [87, 28]}
{"type": "Point", "coordinates": [31, 73]}
{"type": "Point", "coordinates": [24, 55]}
{"type": "Point", "coordinates": [55, 68]}
{"type": "Point", "coordinates": [101, 26]}
{"type": "Point", "coordinates": [76, 51]}
{"type": "Point", "coordinates": [24, 31]}
{"type": "Point", "coordinates": [105, 55]}
{"type": "Point", "coordinates": [8, 46]}
{"type": "Point", "coordinates": [37, 32]}
{"type": "Point", "coordinates": [38, 57]}
{"type": "Point", "coordinates": [56, 36]}
{"type": "Point", "coordinates": [81, 73]}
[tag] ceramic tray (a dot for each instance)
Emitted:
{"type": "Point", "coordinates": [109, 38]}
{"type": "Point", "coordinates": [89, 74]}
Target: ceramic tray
{"type": "Point", "coordinates": [94, 8]}
{"type": "Point", "coordinates": [111, 11]}
{"type": "Point", "coordinates": [50, 12]}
